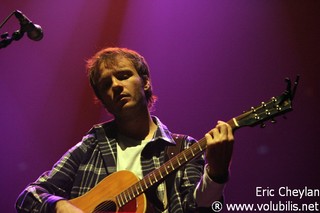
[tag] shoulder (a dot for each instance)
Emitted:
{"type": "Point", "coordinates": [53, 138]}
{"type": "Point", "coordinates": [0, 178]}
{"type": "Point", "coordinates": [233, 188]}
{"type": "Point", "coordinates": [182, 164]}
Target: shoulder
{"type": "Point", "coordinates": [98, 132]}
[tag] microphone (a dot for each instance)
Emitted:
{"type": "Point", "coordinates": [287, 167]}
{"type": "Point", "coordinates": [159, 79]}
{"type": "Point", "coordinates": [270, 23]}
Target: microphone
{"type": "Point", "coordinates": [33, 31]}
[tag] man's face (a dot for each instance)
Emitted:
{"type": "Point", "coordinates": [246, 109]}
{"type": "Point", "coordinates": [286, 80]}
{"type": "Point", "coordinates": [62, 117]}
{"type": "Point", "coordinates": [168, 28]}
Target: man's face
{"type": "Point", "coordinates": [120, 87]}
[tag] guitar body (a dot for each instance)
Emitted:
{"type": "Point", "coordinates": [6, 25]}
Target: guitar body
{"type": "Point", "coordinates": [102, 198]}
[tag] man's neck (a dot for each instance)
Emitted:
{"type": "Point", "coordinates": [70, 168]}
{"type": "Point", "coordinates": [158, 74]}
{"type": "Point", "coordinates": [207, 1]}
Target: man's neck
{"type": "Point", "coordinates": [138, 126]}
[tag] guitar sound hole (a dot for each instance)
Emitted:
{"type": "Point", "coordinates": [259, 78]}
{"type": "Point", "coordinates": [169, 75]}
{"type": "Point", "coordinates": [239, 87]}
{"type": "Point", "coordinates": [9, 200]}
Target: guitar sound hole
{"type": "Point", "coordinates": [104, 207]}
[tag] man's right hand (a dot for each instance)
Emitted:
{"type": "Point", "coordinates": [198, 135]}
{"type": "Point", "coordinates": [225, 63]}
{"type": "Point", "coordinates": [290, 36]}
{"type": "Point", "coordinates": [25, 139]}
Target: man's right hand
{"type": "Point", "coordinates": [63, 206]}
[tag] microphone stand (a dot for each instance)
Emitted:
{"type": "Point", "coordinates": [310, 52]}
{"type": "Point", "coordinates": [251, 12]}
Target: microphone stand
{"type": "Point", "coordinates": [5, 38]}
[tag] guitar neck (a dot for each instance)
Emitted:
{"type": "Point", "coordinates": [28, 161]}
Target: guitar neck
{"type": "Point", "coordinates": [167, 168]}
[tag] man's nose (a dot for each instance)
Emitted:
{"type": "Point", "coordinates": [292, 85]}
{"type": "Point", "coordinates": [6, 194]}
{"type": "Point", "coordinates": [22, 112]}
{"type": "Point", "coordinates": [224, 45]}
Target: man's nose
{"type": "Point", "coordinates": [116, 84]}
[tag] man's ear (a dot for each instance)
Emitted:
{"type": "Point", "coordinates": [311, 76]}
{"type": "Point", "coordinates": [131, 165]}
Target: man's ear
{"type": "Point", "coordinates": [147, 83]}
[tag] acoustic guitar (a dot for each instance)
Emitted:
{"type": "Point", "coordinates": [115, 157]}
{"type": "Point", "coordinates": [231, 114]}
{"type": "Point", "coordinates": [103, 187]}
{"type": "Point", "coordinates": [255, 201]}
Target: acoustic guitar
{"type": "Point", "coordinates": [122, 191]}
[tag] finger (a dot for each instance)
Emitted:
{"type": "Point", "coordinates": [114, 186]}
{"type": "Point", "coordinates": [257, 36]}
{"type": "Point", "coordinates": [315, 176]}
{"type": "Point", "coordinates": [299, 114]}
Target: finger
{"type": "Point", "coordinates": [213, 136]}
{"type": "Point", "coordinates": [221, 122]}
{"type": "Point", "coordinates": [222, 128]}
{"type": "Point", "coordinates": [229, 130]}
{"type": "Point", "coordinates": [209, 137]}
{"type": "Point", "coordinates": [230, 134]}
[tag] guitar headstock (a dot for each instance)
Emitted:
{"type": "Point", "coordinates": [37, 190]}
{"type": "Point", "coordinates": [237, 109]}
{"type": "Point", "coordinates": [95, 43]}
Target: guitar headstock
{"type": "Point", "coordinates": [268, 110]}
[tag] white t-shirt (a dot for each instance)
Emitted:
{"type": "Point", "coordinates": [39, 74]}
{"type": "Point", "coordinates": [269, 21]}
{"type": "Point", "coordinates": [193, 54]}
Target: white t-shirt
{"type": "Point", "coordinates": [129, 154]}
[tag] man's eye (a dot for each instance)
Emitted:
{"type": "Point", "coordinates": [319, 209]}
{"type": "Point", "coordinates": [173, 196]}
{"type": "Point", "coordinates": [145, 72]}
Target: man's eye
{"type": "Point", "coordinates": [123, 76]}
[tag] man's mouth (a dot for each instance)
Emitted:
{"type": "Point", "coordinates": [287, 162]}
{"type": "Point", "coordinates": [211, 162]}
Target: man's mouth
{"type": "Point", "coordinates": [121, 97]}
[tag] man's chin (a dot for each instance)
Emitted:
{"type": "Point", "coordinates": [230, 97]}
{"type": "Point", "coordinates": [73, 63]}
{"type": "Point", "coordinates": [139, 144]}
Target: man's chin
{"type": "Point", "coordinates": [124, 108]}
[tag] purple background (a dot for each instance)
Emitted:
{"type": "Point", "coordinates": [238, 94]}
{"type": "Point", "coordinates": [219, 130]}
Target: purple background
{"type": "Point", "coordinates": [209, 60]}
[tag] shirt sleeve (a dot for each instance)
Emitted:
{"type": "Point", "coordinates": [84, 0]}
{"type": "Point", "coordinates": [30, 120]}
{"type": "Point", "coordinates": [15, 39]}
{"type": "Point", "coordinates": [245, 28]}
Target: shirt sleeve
{"type": "Point", "coordinates": [51, 186]}
{"type": "Point", "coordinates": [206, 187]}
{"type": "Point", "coordinates": [36, 199]}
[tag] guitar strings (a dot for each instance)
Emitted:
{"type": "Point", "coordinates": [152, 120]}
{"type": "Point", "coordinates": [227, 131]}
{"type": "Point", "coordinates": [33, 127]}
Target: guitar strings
{"type": "Point", "coordinates": [110, 205]}
{"type": "Point", "coordinates": [105, 206]}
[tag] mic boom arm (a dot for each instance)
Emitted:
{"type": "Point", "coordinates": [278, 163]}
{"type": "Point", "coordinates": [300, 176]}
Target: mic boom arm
{"type": "Point", "coordinates": [33, 31]}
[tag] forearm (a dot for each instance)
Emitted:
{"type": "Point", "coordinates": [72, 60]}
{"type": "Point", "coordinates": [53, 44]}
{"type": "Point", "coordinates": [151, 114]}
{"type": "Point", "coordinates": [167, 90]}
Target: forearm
{"type": "Point", "coordinates": [36, 199]}
{"type": "Point", "coordinates": [51, 186]}
{"type": "Point", "coordinates": [54, 185]}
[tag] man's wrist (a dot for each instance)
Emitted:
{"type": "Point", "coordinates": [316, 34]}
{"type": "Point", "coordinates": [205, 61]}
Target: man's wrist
{"type": "Point", "coordinates": [218, 178]}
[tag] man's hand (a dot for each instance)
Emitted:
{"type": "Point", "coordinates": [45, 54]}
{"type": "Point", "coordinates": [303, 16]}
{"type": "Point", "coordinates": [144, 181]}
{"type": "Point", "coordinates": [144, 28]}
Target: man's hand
{"type": "Point", "coordinates": [63, 206]}
{"type": "Point", "coordinates": [219, 150]}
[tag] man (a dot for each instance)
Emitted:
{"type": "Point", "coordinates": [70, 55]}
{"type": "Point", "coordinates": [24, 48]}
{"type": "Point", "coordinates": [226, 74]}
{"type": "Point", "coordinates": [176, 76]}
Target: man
{"type": "Point", "coordinates": [134, 140]}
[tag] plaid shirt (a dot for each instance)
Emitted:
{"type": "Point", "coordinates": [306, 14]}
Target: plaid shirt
{"type": "Point", "coordinates": [87, 163]}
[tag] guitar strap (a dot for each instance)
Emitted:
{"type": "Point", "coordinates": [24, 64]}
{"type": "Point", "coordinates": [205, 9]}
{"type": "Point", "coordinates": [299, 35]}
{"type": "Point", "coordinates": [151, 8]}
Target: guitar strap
{"type": "Point", "coordinates": [171, 151]}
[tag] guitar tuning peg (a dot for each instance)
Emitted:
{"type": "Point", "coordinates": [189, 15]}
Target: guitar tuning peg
{"type": "Point", "coordinates": [273, 121]}
{"type": "Point", "coordinates": [262, 125]}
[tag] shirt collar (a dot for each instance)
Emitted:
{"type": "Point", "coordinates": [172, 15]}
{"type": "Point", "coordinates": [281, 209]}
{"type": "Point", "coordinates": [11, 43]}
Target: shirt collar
{"type": "Point", "coordinates": [162, 132]}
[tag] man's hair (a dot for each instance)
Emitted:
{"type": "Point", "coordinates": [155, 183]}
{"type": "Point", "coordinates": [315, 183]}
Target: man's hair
{"type": "Point", "coordinates": [109, 56]}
